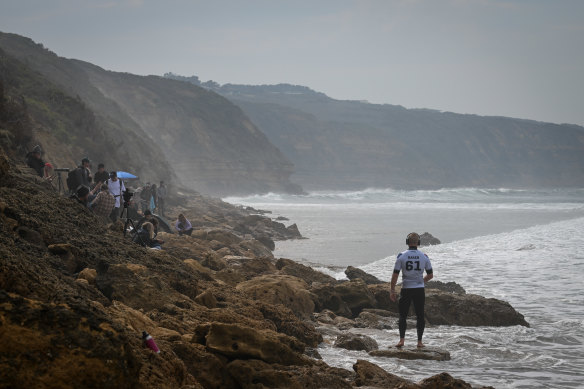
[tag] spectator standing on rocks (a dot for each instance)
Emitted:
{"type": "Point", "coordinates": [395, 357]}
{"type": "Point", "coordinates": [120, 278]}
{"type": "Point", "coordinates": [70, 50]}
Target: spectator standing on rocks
{"type": "Point", "coordinates": [83, 172]}
{"type": "Point", "coordinates": [412, 263]}
{"type": "Point", "coordinates": [161, 198]}
{"type": "Point", "coordinates": [116, 188]}
{"type": "Point", "coordinates": [34, 160]}
{"type": "Point", "coordinates": [153, 198]}
{"type": "Point", "coordinates": [183, 225]}
{"type": "Point", "coordinates": [84, 195]}
{"type": "Point", "coordinates": [101, 176]}
{"type": "Point", "coordinates": [104, 203]}
{"type": "Point", "coordinates": [145, 195]}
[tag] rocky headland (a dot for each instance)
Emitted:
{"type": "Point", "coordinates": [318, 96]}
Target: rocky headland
{"type": "Point", "coordinates": [75, 297]}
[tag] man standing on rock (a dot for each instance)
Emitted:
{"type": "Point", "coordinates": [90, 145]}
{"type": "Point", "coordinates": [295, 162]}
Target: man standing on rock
{"type": "Point", "coordinates": [116, 188]}
{"type": "Point", "coordinates": [413, 263]}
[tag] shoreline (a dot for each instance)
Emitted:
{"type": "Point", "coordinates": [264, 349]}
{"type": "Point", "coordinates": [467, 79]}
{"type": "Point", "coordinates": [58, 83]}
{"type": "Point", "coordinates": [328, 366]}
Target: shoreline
{"type": "Point", "coordinates": [222, 282]}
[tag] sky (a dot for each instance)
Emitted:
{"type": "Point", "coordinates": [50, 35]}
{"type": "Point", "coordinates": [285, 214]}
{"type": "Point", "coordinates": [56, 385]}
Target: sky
{"type": "Point", "coordinates": [517, 58]}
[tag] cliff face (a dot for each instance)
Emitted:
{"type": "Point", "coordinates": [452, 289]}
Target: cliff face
{"type": "Point", "coordinates": [157, 128]}
{"type": "Point", "coordinates": [212, 146]}
{"type": "Point", "coordinates": [37, 111]}
{"type": "Point", "coordinates": [351, 145]}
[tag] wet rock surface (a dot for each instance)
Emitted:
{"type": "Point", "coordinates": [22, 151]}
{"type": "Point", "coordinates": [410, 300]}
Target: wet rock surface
{"type": "Point", "coordinates": [424, 353]}
{"type": "Point", "coordinates": [356, 342]}
{"type": "Point", "coordinates": [427, 239]}
{"type": "Point", "coordinates": [353, 273]}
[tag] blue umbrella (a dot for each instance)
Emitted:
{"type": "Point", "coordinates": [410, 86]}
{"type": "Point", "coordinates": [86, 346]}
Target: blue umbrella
{"type": "Point", "coordinates": [127, 176]}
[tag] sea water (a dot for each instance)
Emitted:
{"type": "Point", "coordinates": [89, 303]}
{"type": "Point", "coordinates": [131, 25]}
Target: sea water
{"type": "Point", "coordinates": [524, 247]}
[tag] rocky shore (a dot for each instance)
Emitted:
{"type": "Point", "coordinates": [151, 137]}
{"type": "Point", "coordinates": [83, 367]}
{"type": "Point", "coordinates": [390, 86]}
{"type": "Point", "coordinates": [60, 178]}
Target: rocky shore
{"type": "Point", "coordinates": [75, 296]}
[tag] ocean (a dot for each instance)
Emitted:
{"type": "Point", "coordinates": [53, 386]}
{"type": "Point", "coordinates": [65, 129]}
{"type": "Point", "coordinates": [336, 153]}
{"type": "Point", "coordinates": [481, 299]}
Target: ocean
{"type": "Point", "coordinates": [522, 246]}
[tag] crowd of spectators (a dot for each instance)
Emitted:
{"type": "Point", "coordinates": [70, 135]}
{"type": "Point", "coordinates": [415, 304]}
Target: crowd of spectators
{"type": "Point", "coordinates": [103, 194]}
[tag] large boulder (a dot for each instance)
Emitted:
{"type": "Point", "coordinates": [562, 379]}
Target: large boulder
{"type": "Point", "coordinates": [287, 323]}
{"type": "Point", "coordinates": [254, 373]}
{"type": "Point", "coordinates": [352, 341]}
{"type": "Point", "coordinates": [426, 239]}
{"type": "Point", "coordinates": [252, 247]}
{"type": "Point", "coordinates": [235, 341]}
{"type": "Point", "coordinates": [327, 298]}
{"type": "Point", "coordinates": [382, 295]}
{"type": "Point", "coordinates": [417, 353]}
{"type": "Point", "coordinates": [137, 287]}
{"type": "Point", "coordinates": [371, 375]}
{"type": "Point", "coordinates": [308, 274]}
{"type": "Point", "coordinates": [54, 345]}
{"type": "Point", "coordinates": [266, 241]}
{"type": "Point", "coordinates": [258, 225]}
{"type": "Point", "coordinates": [250, 267]}
{"type": "Point", "coordinates": [208, 369]}
{"type": "Point", "coordinates": [356, 295]}
{"type": "Point", "coordinates": [353, 273]}
{"type": "Point", "coordinates": [470, 310]}
{"type": "Point", "coordinates": [293, 232]}
{"type": "Point", "coordinates": [445, 381]}
{"type": "Point", "coordinates": [450, 287]}
{"type": "Point", "coordinates": [226, 238]}
{"type": "Point", "coordinates": [377, 319]}
{"type": "Point", "coordinates": [289, 291]}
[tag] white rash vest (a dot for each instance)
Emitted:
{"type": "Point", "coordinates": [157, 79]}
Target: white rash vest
{"type": "Point", "coordinates": [412, 263]}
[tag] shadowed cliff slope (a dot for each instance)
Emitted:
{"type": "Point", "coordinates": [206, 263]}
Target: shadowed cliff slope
{"type": "Point", "coordinates": [38, 111]}
{"type": "Point", "coordinates": [158, 128]}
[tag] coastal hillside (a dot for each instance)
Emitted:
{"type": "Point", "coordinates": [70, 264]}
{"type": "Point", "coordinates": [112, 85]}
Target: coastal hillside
{"type": "Point", "coordinates": [169, 130]}
{"type": "Point", "coordinates": [338, 144]}
{"type": "Point", "coordinates": [35, 110]}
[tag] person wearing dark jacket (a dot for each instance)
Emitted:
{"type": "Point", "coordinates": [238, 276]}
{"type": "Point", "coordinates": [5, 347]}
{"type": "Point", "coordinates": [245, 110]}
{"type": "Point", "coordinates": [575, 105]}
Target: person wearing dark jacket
{"type": "Point", "coordinates": [34, 160]}
{"type": "Point", "coordinates": [146, 237]}
{"type": "Point", "coordinates": [101, 176]}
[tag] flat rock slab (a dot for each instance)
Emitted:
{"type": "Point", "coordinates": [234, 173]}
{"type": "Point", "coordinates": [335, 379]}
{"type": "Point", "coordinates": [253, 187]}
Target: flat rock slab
{"type": "Point", "coordinates": [413, 353]}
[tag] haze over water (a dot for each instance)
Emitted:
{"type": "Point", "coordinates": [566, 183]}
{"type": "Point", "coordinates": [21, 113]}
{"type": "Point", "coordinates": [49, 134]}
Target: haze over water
{"type": "Point", "coordinates": [524, 247]}
{"type": "Point", "coordinates": [356, 228]}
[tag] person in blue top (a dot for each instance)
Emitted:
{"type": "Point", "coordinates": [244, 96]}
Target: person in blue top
{"type": "Point", "coordinates": [412, 264]}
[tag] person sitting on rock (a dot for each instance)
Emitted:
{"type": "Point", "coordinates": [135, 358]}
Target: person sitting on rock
{"type": "Point", "coordinates": [413, 263]}
{"type": "Point", "coordinates": [104, 203]}
{"type": "Point", "coordinates": [33, 160]}
{"type": "Point", "coordinates": [82, 195]}
{"type": "Point", "coordinates": [183, 225]}
{"type": "Point", "coordinates": [148, 217]}
{"type": "Point", "coordinates": [146, 238]}
{"type": "Point", "coordinates": [155, 223]}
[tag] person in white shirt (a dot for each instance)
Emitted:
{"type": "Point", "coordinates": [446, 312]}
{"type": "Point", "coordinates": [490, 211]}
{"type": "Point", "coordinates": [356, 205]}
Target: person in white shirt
{"type": "Point", "coordinates": [412, 263]}
{"type": "Point", "coordinates": [183, 225]}
{"type": "Point", "coordinates": [116, 188]}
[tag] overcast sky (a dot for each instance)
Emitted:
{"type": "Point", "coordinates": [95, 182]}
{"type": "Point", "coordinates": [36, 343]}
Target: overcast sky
{"type": "Point", "coordinates": [519, 58]}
